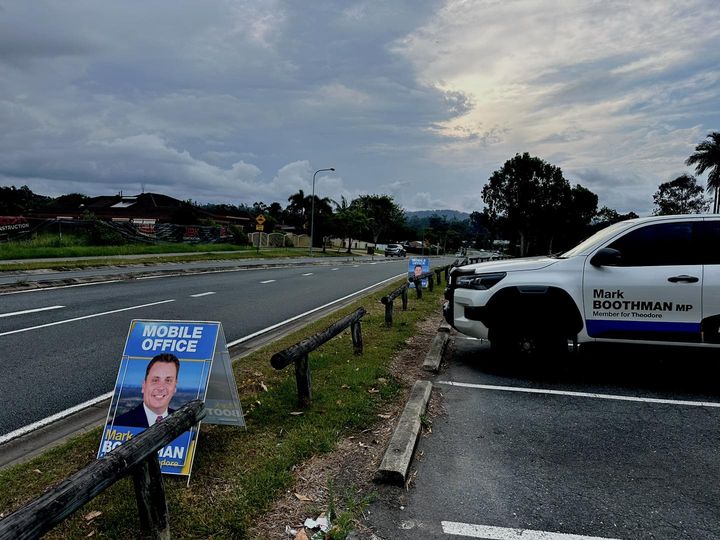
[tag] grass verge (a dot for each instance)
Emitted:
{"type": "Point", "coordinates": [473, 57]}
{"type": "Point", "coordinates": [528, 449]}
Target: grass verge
{"type": "Point", "coordinates": [237, 473]}
{"type": "Point", "coordinates": [196, 255]}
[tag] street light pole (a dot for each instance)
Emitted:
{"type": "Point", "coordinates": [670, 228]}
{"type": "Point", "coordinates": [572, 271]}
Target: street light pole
{"type": "Point", "coordinates": [312, 206]}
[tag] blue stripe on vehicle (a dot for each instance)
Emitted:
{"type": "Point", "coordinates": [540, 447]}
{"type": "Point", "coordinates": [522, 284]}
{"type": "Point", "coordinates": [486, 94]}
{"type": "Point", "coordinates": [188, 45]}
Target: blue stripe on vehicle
{"type": "Point", "coordinates": [598, 327]}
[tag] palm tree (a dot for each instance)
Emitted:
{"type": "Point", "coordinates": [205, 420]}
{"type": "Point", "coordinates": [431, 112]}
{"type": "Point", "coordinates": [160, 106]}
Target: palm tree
{"type": "Point", "coordinates": [707, 157]}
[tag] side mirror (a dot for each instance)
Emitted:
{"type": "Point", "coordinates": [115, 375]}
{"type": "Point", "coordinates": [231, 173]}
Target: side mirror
{"type": "Point", "coordinates": [606, 257]}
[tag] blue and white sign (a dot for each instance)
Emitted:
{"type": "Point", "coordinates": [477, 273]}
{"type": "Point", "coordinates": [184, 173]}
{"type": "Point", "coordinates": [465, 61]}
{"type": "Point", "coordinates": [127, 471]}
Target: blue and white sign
{"type": "Point", "coordinates": [164, 365]}
{"type": "Point", "coordinates": [416, 267]}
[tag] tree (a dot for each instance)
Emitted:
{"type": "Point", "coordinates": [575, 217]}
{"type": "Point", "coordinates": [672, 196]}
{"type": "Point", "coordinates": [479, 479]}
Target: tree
{"type": "Point", "coordinates": [300, 208]}
{"type": "Point", "coordinates": [296, 210]}
{"type": "Point", "coordinates": [532, 196]}
{"type": "Point", "coordinates": [707, 157]}
{"type": "Point", "coordinates": [579, 217]}
{"type": "Point", "coordinates": [17, 201]}
{"type": "Point", "coordinates": [349, 221]}
{"type": "Point", "coordinates": [381, 212]}
{"type": "Point", "coordinates": [680, 196]}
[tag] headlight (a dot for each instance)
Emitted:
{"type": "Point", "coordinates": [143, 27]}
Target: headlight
{"type": "Point", "coordinates": [480, 282]}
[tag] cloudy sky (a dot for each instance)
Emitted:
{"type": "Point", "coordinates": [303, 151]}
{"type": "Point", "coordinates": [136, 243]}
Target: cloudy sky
{"type": "Point", "coordinates": [240, 101]}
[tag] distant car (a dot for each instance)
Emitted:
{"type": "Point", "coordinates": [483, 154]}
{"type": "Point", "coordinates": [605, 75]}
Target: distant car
{"type": "Point", "coordinates": [394, 250]}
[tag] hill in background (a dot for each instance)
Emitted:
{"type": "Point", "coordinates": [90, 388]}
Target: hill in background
{"type": "Point", "coordinates": [449, 214]}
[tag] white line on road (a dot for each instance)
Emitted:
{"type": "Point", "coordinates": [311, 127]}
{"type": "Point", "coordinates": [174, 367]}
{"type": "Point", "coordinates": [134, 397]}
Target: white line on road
{"type": "Point", "coordinates": [201, 294]}
{"type": "Point", "coordinates": [30, 311]}
{"type": "Point", "coordinates": [45, 421]}
{"type": "Point", "coordinates": [296, 317]}
{"type": "Point", "coordinates": [83, 317]}
{"type": "Point", "coordinates": [268, 281]}
{"type": "Point", "coordinates": [308, 274]}
{"type": "Point", "coordinates": [582, 394]}
{"type": "Point", "coordinates": [333, 269]}
{"type": "Point", "coordinates": [50, 419]}
{"type": "Point", "coordinates": [504, 533]}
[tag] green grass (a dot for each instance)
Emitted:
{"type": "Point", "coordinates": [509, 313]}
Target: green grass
{"type": "Point", "coordinates": [156, 254]}
{"type": "Point", "coordinates": [238, 473]}
{"type": "Point", "coordinates": [50, 246]}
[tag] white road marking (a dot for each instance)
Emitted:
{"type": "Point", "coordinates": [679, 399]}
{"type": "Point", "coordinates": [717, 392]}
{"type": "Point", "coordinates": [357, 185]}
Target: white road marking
{"type": "Point", "coordinates": [268, 281]}
{"type": "Point", "coordinates": [45, 421]}
{"type": "Point", "coordinates": [62, 287]}
{"type": "Point", "coordinates": [504, 533]}
{"type": "Point", "coordinates": [83, 317]}
{"type": "Point", "coordinates": [50, 419]}
{"type": "Point", "coordinates": [582, 394]}
{"type": "Point", "coordinates": [308, 274]}
{"type": "Point", "coordinates": [355, 265]}
{"type": "Point", "coordinates": [201, 294]}
{"type": "Point", "coordinates": [296, 317]}
{"type": "Point", "coordinates": [29, 311]}
{"type": "Point", "coordinates": [333, 269]}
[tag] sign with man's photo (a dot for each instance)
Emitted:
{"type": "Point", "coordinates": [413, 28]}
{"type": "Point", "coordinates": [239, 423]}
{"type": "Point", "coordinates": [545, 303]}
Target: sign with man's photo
{"type": "Point", "coordinates": [416, 267]}
{"type": "Point", "coordinates": [164, 365]}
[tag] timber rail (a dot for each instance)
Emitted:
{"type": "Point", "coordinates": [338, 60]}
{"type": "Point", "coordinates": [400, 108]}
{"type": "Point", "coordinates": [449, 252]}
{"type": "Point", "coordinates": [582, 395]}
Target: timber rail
{"type": "Point", "coordinates": [298, 353]}
{"type": "Point", "coordinates": [137, 457]}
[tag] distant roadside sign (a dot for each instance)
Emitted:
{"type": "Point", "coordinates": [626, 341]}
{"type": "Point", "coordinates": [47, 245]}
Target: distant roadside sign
{"type": "Point", "coordinates": [259, 227]}
{"type": "Point", "coordinates": [260, 219]}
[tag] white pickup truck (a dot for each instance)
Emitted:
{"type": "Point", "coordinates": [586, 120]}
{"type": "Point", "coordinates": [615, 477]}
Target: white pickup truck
{"type": "Point", "coordinates": [653, 280]}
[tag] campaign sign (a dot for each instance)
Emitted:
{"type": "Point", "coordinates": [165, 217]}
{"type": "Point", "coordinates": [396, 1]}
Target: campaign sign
{"type": "Point", "coordinates": [164, 365]}
{"type": "Point", "coordinates": [417, 266]}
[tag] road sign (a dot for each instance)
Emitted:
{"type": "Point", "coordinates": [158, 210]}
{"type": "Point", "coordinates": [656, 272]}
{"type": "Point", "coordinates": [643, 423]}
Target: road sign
{"type": "Point", "coordinates": [260, 219]}
{"type": "Point", "coordinates": [259, 227]}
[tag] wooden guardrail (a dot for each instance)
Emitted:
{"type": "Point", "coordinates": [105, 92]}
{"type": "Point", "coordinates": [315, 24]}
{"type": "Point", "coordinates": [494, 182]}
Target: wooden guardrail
{"type": "Point", "coordinates": [137, 457]}
{"type": "Point", "coordinates": [388, 300]}
{"type": "Point", "coordinates": [298, 353]}
{"type": "Point", "coordinates": [402, 291]}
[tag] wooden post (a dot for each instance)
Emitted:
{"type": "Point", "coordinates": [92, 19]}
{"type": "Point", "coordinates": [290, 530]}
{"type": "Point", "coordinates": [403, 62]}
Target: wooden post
{"type": "Point", "coordinates": [404, 298]}
{"type": "Point", "coordinates": [418, 287]}
{"type": "Point", "coordinates": [52, 507]}
{"type": "Point", "coordinates": [150, 495]}
{"type": "Point", "coordinates": [447, 274]}
{"type": "Point", "coordinates": [357, 337]}
{"type": "Point", "coordinates": [302, 377]}
{"type": "Point", "coordinates": [437, 274]}
{"type": "Point", "coordinates": [389, 313]}
{"type": "Point", "coordinates": [431, 283]}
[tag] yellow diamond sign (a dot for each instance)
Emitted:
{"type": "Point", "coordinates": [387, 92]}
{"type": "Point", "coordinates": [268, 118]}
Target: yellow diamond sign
{"type": "Point", "coordinates": [260, 219]}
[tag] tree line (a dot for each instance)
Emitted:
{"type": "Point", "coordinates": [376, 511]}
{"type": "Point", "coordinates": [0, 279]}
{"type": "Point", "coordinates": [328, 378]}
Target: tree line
{"type": "Point", "coordinates": [528, 202]}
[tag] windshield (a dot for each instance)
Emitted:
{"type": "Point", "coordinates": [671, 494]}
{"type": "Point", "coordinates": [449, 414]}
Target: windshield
{"type": "Point", "coordinates": [597, 238]}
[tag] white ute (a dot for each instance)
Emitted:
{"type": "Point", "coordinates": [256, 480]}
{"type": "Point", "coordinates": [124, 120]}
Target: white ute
{"type": "Point", "coordinates": [653, 280]}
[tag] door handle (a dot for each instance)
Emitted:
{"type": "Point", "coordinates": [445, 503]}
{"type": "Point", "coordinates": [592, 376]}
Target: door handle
{"type": "Point", "coordinates": [683, 279]}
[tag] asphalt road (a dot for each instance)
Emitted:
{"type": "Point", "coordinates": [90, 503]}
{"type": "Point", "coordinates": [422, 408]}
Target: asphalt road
{"type": "Point", "coordinates": [60, 347]}
{"type": "Point", "coordinates": [619, 443]}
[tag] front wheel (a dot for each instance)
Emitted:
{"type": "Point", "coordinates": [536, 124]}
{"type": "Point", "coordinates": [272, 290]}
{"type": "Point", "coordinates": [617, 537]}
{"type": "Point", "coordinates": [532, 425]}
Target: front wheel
{"type": "Point", "coordinates": [525, 344]}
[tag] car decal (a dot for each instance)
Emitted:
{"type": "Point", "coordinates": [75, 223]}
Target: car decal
{"type": "Point", "coordinates": [598, 328]}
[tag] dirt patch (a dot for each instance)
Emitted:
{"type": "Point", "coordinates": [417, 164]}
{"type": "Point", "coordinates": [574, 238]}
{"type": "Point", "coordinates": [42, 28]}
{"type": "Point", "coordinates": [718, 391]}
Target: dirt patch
{"type": "Point", "coordinates": [344, 477]}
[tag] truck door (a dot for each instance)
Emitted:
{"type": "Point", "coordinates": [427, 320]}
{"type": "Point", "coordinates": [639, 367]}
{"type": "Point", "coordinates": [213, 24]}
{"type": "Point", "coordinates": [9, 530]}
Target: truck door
{"type": "Point", "coordinates": [653, 292]}
{"type": "Point", "coordinates": [709, 242]}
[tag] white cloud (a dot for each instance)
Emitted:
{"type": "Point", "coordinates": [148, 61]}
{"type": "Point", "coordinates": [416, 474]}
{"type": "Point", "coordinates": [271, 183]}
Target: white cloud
{"type": "Point", "coordinates": [239, 101]}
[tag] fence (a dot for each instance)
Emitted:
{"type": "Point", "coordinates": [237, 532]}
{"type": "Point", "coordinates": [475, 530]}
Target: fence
{"type": "Point", "coordinates": [137, 457]}
{"type": "Point", "coordinates": [402, 291]}
{"type": "Point", "coordinates": [298, 353]}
